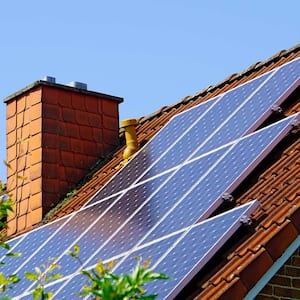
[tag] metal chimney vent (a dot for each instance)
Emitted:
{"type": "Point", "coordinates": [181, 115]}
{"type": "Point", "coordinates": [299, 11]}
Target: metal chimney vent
{"type": "Point", "coordinates": [78, 85]}
{"type": "Point", "coordinates": [49, 79]}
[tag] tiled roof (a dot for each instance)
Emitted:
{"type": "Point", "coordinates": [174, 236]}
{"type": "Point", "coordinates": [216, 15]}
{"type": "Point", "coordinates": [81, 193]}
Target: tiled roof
{"type": "Point", "coordinates": [275, 183]}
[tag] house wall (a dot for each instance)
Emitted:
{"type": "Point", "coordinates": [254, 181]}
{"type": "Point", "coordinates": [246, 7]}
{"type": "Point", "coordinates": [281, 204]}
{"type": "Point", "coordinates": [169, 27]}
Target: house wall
{"type": "Point", "coordinates": [286, 282]}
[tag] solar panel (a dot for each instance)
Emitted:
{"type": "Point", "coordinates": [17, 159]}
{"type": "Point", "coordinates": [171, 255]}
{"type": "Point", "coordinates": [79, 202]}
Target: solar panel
{"type": "Point", "coordinates": [154, 197]}
{"type": "Point", "coordinates": [226, 118]}
{"type": "Point", "coordinates": [180, 255]}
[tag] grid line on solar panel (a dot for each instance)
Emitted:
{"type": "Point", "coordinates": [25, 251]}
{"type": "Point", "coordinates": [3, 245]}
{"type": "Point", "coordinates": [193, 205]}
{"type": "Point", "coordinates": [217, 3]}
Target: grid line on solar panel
{"type": "Point", "coordinates": [286, 121]}
{"type": "Point", "coordinates": [63, 239]}
{"type": "Point", "coordinates": [199, 207]}
{"type": "Point", "coordinates": [142, 162]}
{"type": "Point", "coordinates": [154, 149]}
{"type": "Point", "coordinates": [161, 246]}
{"type": "Point", "coordinates": [295, 73]}
{"type": "Point", "coordinates": [242, 158]}
{"type": "Point", "coordinates": [141, 169]}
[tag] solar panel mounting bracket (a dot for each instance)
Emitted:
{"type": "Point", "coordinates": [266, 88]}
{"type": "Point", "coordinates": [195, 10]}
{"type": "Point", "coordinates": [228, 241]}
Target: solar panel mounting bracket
{"type": "Point", "coordinates": [295, 124]}
{"type": "Point", "coordinates": [276, 109]}
{"type": "Point", "coordinates": [246, 220]}
{"type": "Point", "coordinates": [227, 197]}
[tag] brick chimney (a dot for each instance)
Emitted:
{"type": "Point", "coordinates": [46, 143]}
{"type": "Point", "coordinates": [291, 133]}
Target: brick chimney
{"type": "Point", "coordinates": [55, 133]}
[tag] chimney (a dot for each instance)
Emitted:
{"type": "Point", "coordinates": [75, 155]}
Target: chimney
{"type": "Point", "coordinates": [55, 133]}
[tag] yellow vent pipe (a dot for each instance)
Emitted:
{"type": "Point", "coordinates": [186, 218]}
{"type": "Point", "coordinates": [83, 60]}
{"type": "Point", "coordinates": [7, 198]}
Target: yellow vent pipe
{"type": "Point", "coordinates": [132, 145]}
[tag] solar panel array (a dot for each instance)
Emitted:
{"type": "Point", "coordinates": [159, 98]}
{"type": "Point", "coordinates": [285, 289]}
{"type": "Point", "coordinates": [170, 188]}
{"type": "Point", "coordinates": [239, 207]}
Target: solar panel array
{"type": "Point", "coordinates": [158, 204]}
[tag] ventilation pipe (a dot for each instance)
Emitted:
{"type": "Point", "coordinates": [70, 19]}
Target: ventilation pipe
{"type": "Point", "coordinates": [132, 145]}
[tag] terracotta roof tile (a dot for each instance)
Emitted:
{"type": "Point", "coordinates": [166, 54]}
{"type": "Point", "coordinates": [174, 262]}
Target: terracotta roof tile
{"type": "Point", "coordinates": [275, 183]}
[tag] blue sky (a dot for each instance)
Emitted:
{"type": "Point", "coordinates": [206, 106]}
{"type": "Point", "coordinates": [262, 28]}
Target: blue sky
{"type": "Point", "coordinates": [152, 53]}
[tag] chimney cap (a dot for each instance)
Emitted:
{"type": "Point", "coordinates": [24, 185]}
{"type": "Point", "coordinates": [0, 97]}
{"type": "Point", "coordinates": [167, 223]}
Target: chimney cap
{"type": "Point", "coordinates": [78, 85]}
{"type": "Point", "coordinates": [42, 83]}
{"type": "Point", "coordinates": [49, 79]}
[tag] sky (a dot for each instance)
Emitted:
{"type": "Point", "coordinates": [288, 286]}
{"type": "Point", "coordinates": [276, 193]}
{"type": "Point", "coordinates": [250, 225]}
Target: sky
{"type": "Point", "coordinates": [151, 52]}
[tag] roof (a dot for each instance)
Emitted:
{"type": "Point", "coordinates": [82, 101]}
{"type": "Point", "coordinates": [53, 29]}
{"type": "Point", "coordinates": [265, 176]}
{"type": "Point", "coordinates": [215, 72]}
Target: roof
{"type": "Point", "coordinates": [275, 183]}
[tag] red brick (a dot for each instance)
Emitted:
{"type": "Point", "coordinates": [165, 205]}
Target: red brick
{"type": "Point", "coordinates": [110, 137]}
{"type": "Point", "coordinates": [49, 171]}
{"type": "Point", "coordinates": [11, 139]}
{"type": "Point", "coordinates": [296, 261]}
{"type": "Point", "coordinates": [91, 104]}
{"type": "Point", "coordinates": [64, 98]}
{"type": "Point", "coordinates": [36, 186]}
{"type": "Point", "coordinates": [265, 297]}
{"type": "Point", "coordinates": [82, 118]}
{"type": "Point", "coordinates": [287, 292]}
{"type": "Point", "coordinates": [110, 122]}
{"type": "Point", "coordinates": [67, 158]}
{"type": "Point", "coordinates": [255, 268]}
{"type": "Point", "coordinates": [51, 126]}
{"type": "Point", "coordinates": [51, 111]}
{"type": "Point", "coordinates": [78, 101]}
{"type": "Point", "coordinates": [281, 280]}
{"type": "Point", "coordinates": [34, 96]}
{"type": "Point", "coordinates": [11, 153]}
{"type": "Point", "coordinates": [23, 118]}
{"type": "Point", "coordinates": [35, 171]}
{"type": "Point", "coordinates": [11, 109]}
{"type": "Point", "coordinates": [95, 120]}
{"type": "Point", "coordinates": [50, 95]}
{"type": "Point", "coordinates": [296, 283]}
{"type": "Point", "coordinates": [36, 201]}
{"type": "Point", "coordinates": [34, 217]}
{"type": "Point", "coordinates": [72, 130]}
{"type": "Point", "coordinates": [11, 124]}
{"type": "Point", "coordinates": [21, 104]}
{"type": "Point", "coordinates": [68, 115]}
{"type": "Point", "coordinates": [110, 108]}
{"type": "Point", "coordinates": [36, 156]}
{"type": "Point", "coordinates": [267, 290]}
{"type": "Point", "coordinates": [35, 142]}
{"type": "Point", "coordinates": [36, 111]}
{"type": "Point", "coordinates": [64, 143]}
{"type": "Point", "coordinates": [89, 147]}
{"type": "Point", "coordinates": [80, 161]}
{"type": "Point", "coordinates": [292, 271]}
{"type": "Point", "coordinates": [73, 175]}
{"type": "Point", "coordinates": [98, 135]}
{"type": "Point", "coordinates": [35, 126]}
{"type": "Point", "coordinates": [86, 133]}
{"type": "Point", "coordinates": [50, 155]}
{"type": "Point", "coordinates": [76, 145]}
{"type": "Point", "coordinates": [50, 185]}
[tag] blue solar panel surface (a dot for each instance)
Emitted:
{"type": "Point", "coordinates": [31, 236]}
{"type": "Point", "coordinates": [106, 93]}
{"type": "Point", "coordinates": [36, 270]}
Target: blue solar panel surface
{"type": "Point", "coordinates": [175, 181]}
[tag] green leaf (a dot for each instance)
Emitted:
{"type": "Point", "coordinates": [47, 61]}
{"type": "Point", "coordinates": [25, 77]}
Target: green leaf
{"type": "Point", "coordinates": [31, 276]}
{"type": "Point", "coordinates": [15, 254]}
{"type": "Point", "coordinates": [4, 245]}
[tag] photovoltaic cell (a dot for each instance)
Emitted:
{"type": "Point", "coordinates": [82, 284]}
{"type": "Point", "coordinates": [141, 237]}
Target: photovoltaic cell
{"type": "Point", "coordinates": [209, 235]}
{"type": "Point", "coordinates": [153, 150]}
{"type": "Point", "coordinates": [206, 126]}
{"type": "Point", "coordinates": [31, 243]}
{"type": "Point", "coordinates": [258, 107]}
{"type": "Point", "coordinates": [193, 248]}
{"type": "Point", "coordinates": [206, 196]}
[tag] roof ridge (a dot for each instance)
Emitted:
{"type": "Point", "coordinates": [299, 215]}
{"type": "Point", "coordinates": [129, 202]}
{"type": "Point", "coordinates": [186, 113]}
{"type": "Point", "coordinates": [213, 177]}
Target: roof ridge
{"type": "Point", "coordinates": [235, 76]}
